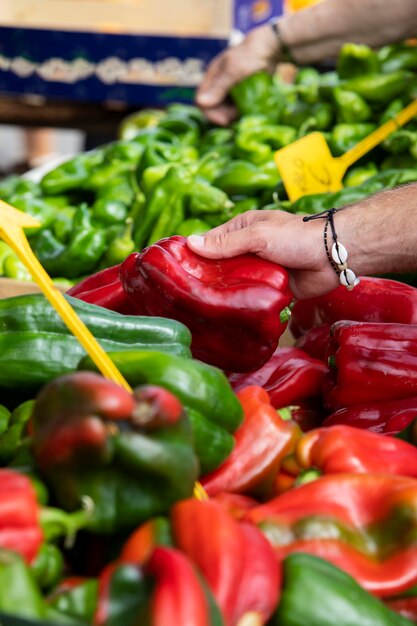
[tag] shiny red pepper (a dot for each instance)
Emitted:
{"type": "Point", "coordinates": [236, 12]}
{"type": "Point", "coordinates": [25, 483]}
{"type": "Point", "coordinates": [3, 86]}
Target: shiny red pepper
{"type": "Point", "coordinates": [373, 300]}
{"type": "Point", "coordinates": [315, 341]}
{"type": "Point", "coordinates": [234, 557]}
{"type": "Point", "coordinates": [344, 449]}
{"type": "Point", "coordinates": [362, 523]}
{"type": "Point", "coordinates": [261, 442]}
{"type": "Point", "coordinates": [232, 306]}
{"type": "Point", "coordinates": [290, 376]}
{"type": "Point", "coordinates": [104, 289]}
{"type": "Point", "coordinates": [371, 363]}
{"type": "Point", "coordinates": [20, 528]}
{"type": "Point", "coordinates": [389, 417]}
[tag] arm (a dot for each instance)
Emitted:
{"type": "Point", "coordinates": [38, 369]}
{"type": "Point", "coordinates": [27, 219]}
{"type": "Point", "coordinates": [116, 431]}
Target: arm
{"type": "Point", "coordinates": [379, 234]}
{"type": "Point", "coordinates": [311, 35]}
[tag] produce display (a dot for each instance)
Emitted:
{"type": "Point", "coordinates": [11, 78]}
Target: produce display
{"type": "Point", "coordinates": [305, 457]}
{"type": "Point", "coordinates": [173, 173]}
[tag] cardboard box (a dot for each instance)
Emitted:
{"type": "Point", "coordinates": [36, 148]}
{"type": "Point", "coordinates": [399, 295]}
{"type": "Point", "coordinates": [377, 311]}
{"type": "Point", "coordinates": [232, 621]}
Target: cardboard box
{"type": "Point", "coordinates": [139, 52]}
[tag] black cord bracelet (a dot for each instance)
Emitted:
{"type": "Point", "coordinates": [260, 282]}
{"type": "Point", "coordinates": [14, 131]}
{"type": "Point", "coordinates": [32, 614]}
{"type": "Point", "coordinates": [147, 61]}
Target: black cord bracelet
{"type": "Point", "coordinates": [337, 255]}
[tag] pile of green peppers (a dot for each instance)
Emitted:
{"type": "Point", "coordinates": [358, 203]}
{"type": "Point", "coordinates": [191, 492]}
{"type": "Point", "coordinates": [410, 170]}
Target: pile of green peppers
{"type": "Point", "coordinates": [172, 172]}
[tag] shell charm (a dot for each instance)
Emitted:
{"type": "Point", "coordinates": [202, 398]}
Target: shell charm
{"type": "Point", "coordinates": [349, 279]}
{"type": "Point", "coordinates": [339, 254]}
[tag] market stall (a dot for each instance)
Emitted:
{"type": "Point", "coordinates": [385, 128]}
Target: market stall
{"type": "Point", "coordinates": [254, 460]}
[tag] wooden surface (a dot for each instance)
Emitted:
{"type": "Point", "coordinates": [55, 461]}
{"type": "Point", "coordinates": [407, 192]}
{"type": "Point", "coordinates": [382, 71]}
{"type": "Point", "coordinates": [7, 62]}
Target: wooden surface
{"type": "Point", "coordinates": [10, 287]}
{"type": "Point", "coordinates": [38, 112]}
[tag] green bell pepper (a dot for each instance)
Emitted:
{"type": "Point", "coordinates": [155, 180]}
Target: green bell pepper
{"type": "Point", "coordinates": [380, 88]}
{"type": "Point", "coordinates": [109, 212]}
{"type": "Point", "coordinates": [82, 253]}
{"type": "Point", "coordinates": [316, 593]}
{"type": "Point", "coordinates": [5, 251]}
{"type": "Point", "coordinates": [183, 127]}
{"type": "Point", "coordinates": [360, 174]}
{"type": "Point", "coordinates": [48, 566]}
{"type": "Point", "coordinates": [257, 94]}
{"type": "Point", "coordinates": [205, 198]}
{"type": "Point", "coordinates": [159, 153]}
{"type": "Point", "coordinates": [398, 57]}
{"type": "Point", "coordinates": [72, 175]}
{"type": "Point", "coordinates": [134, 123]}
{"type": "Point", "coordinates": [346, 136]}
{"type": "Point", "coordinates": [14, 268]}
{"type": "Point", "coordinates": [356, 60]}
{"type": "Point", "coordinates": [37, 208]}
{"type": "Point", "coordinates": [243, 178]}
{"type": "Point", "coordinates": [400, 141]}
{"type": "Point", "coordinates": [307, 81]}
{"type": "Point", "coordinates": [351, 107]}
{"type": "Point", "coordinates": [258, 144]}
{"type": "Point", "coordinates": [120, 247]}
{"type": "Point", "coordinates": [19, 594]}
{"type": "Point", "coordinates": [76, 599]}
{"type": "Point", "coordinates": [203, 390]}
{"type": "Point", "coordinates": [165, 207]}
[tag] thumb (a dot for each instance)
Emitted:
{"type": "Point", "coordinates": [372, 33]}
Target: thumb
{"type": "Point", "coordinates": [222, 245]}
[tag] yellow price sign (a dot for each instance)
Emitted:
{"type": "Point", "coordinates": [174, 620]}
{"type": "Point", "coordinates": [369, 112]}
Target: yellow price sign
{"type": "Point", "coordinates": [307, 165]}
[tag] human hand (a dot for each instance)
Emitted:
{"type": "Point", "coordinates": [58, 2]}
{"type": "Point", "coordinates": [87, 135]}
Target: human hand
{"type": "Point", "coordinates": [260, 50]}
{"type": "Point", "coordinates": [279, 237]}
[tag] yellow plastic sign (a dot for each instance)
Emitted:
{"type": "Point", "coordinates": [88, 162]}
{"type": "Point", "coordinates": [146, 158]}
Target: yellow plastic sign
{"type": "Point", "coordinates": [307, 165]}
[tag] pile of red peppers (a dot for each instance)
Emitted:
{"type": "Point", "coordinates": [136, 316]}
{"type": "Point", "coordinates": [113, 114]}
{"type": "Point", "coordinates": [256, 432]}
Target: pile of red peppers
{"type": "Point", "coordinates": [316, 504]}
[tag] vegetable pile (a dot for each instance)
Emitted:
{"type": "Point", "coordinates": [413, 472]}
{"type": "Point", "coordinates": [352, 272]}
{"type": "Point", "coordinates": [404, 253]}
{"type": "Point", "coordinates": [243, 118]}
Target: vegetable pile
{"type": "Point", "coordinates": [307, 454]}
{"type": "Point", "coordinates": [173, 173]}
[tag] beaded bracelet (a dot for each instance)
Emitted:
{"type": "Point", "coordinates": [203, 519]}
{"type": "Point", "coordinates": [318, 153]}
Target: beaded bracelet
{"type": "Point", "coordinates": [338, 255]}
{"type": "Point", "coordinates": [285, 51]}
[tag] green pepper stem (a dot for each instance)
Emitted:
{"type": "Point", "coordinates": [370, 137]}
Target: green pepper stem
{"type": "Point", "coordinates": [57, 523]}
{"type": "Point", "coordinates": [285, 315]}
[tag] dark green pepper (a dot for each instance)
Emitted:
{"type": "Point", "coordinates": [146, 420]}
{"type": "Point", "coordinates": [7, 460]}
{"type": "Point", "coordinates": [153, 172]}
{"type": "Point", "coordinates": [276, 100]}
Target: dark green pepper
{"type": "Point", "coordinates": [4, 418]}
{"type": "Point", "coordinates": [78, 599]}
{"type": "Point", "coordinates": [183, 127]}
{"type": "Point", "coordinates": [334, 597]}
{"type": "Point", "coordinates": [48, 566]}
{"type": "Point", "coordinates": [398, 57]}
{"type": "Point", "coordinates": [37, 208]}
{"type": "Point", "coordinates": [212, 443]}
{"type": "Point", "coordinates": [400, 141]}
{"type": "Point", "coordinates": [19, 594]}
{"type": "Point", "coordinates": [199, 386]}
{"type": "Point", "coordinates": [356, 60]}
{"type": "Point", "coordinates": [392, 110]}
{"type": "Point", "coordinates": [351, 107]}
{"type": "Point", "coordinates": [159, 153]}
{"type": "Point", "coordinates": [307, 80]}
{"type": "Point", "coordinates": [62, 225]}
{"type": "Point", "coordinates": [82, 253]}
{"type": "Point", "coordinates": [257, 94]}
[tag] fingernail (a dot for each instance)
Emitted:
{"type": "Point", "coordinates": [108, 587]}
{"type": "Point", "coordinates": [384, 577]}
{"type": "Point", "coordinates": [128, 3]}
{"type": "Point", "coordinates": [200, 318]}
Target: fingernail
{"type": "Point", "coordinates": [196, 240]}
{"type": "Point", "coordinates": [205, 99]}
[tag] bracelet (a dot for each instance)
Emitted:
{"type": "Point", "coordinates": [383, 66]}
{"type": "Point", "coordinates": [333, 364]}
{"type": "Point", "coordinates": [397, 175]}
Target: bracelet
{"type": "Point", "coordinates": [338, 255]}
{"type": "Point", "coordinates": [285, 51]}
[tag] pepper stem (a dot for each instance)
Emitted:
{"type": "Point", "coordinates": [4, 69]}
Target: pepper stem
{"type": "Point", "coordinates": [285, 315]}
{"type": "Point", "coordinates": [56, 523]}
{"type": "Point", "coordinates": [307, 477]}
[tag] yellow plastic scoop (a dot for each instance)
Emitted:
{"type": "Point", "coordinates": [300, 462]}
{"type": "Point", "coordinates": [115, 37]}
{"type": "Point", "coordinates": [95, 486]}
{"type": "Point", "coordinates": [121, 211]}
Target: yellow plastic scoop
{"type": "Point", "coordinates": [307, 166]}
{"type": "Point", "coordinates": [12, 223]}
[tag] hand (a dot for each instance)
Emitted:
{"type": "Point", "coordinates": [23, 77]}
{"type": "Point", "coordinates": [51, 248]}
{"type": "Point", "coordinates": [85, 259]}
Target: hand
{"type": "Point", "coordinates": [278, 237]}
{"type": "Point", "coordinates": [259, 51]}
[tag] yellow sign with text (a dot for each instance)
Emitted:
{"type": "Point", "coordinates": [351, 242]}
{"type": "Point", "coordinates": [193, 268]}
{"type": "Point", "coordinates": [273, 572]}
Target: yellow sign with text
{"type": "Point", "coordinates": [307, 165]}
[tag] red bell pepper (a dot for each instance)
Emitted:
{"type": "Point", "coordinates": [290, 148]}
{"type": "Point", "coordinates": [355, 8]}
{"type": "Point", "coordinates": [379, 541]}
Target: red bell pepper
{"type": "Point", "coordinates": [362, 523]}
{"type": "Point", "coordinates": [346, 449]}
{"type": "Point", "coordinates": [141, 543]}
{"type": "Point", "coordinates": [407, 607]}
{"type": "Point", "coordinates": [373, 300]}
{"type": "Point", "coordinates": [370, 363]}
{"type": "Point", "coordinates": [20, 528]}
{"type": "Point", "coordinates": [104, 289]}
{"type": "Point", "coordinates": [315, 341]}
{"type": "Point", "coordinates": [231, 306]}
{"type": "Point", "coordinates": [234, 557]}
{"type": "Point", "coordinates": [261, 442]}
{"type": "Point", "coordinates": [178, 597]}
{"type": "Point", "coordinates": [290, 376]}
{"type": "Point", "coordinates": [380, 417]}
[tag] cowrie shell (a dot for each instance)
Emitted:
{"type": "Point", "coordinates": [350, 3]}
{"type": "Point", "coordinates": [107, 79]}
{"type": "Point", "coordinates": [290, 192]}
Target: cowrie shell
{"type": "Point", "coordinates": [348, 278]}
{"type": "Point", "coordinates": [339, 253]}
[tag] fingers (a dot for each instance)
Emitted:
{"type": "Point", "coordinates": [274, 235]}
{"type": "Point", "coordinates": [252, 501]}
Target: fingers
{"type": "Point", "coordinates": [219, 79]}
{"type": "Point", "coordinates": [223, 245]}
{"type": "Point", "coordinates": [222, 115]}
{"type": "Point", "coordinates": [241, 221]}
